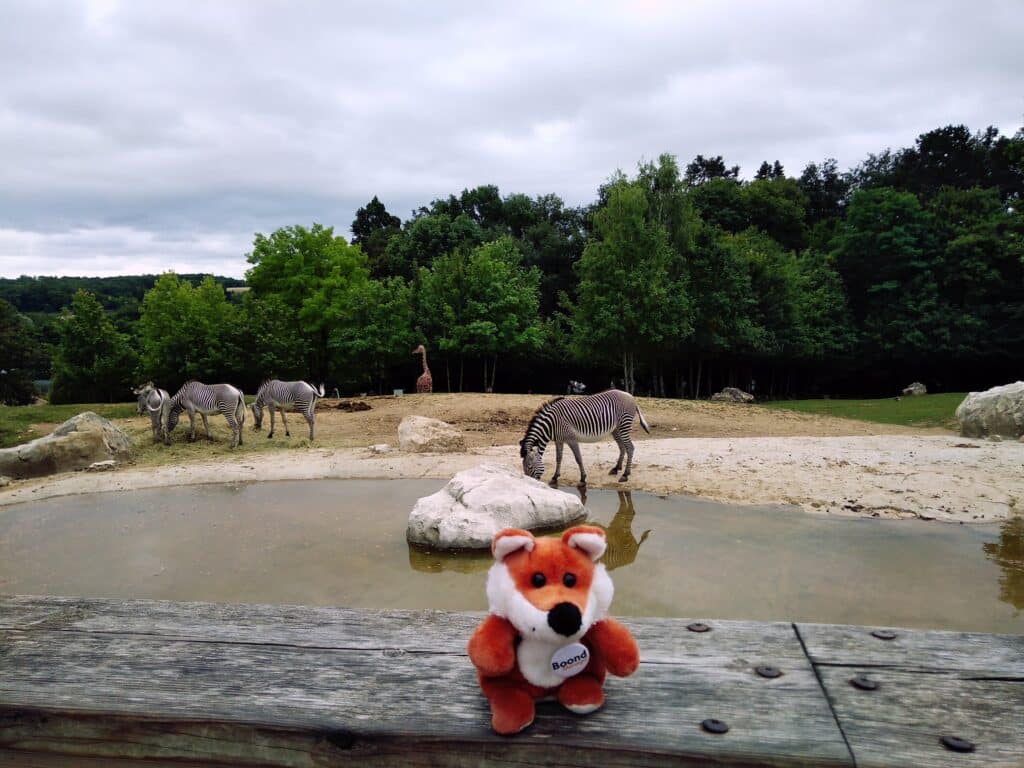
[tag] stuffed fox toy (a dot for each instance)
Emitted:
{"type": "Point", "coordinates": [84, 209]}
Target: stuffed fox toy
{"type": "Point", "coordinates": [548, 633]}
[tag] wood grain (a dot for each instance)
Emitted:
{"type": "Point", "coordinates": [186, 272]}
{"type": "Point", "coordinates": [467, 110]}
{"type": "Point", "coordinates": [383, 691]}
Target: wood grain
{"type": "Point", "coordinates": [162, 683]}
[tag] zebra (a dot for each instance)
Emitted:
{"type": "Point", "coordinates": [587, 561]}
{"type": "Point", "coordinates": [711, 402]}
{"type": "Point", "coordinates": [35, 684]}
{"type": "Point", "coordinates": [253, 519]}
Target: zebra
{"type": "Point", "coordinates": [286, 395]}
{"type": "Point", "coordinates": [158, 403]}
{"type": "Point", "coordinates": [580, 419]}
{"type": "Point", "coordinates": [196, 397]}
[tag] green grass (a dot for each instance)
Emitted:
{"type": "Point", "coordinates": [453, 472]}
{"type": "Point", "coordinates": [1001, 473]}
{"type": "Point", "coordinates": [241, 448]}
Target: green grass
{"type": "Point", "coordinates": [16, 421]}
{"type": "Point", "coordinates": [921, 411]}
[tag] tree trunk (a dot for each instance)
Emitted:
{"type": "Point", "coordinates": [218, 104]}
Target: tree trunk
{"type": "Point", "coordinates": [447, 374]}
{"type": "Point", "coordinates": [711, 381]}
{"type": "Point", "coordinates": [494, 369]}
{"type": "Point", "coordinates": [696, 381]}
{"type": "Point", "coordinates": [485, 374]}
{"type": "Point", "coordinates": [462, 369]}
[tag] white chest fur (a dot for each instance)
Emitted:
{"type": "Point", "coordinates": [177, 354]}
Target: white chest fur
{"type": "Point", "coordinates": [534, 660]}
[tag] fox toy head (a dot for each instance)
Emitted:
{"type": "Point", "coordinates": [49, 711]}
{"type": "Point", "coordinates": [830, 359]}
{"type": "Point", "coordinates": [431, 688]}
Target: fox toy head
{"type": "Point", "coordinates": [550, 590]}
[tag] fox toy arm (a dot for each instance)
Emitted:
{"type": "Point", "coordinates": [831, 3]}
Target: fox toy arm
{"type": "Point", "coordinates": [616, 646]}
{"type": "Point", "coordinates": [492, 647]}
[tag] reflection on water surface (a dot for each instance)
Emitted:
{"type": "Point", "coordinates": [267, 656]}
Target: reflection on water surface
{"type": "Point", "coordinates": [342, 542]}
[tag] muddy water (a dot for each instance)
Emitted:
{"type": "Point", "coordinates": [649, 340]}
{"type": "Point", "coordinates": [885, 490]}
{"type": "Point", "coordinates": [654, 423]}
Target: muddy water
{"type": "Point", "coordinates": [333, 542]}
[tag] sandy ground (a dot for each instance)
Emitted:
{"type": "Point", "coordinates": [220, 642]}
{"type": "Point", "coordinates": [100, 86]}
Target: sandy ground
{"type": "Point", "coordinates": [733, 453]}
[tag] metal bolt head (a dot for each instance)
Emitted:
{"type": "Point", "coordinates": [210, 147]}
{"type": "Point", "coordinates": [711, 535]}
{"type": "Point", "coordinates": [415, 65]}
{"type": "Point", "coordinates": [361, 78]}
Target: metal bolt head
{"type": "Point", "coordinates": [956, 744]}
{"type": "Point", "coordinates": [711, 725]}
{"type": "Point", "coordinates": [698, 626]}
{"type": "Point", "coordinates": [884, 634]}
{"type": "Point", "coordinates": [863, 682]}
{"type": "Point", "coordinates": [766, 670]}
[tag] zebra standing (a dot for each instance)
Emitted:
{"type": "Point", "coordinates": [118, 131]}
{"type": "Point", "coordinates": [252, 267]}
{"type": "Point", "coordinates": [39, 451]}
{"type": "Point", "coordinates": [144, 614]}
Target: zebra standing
{"type": "Point", "coordinates": [196, 397]}
{"type": "Point", "coordinates": [580, 419]}
{"type": "Point", "coordinates": [286, 396]}
{"type": "Point", "coordinates": [158, 403]}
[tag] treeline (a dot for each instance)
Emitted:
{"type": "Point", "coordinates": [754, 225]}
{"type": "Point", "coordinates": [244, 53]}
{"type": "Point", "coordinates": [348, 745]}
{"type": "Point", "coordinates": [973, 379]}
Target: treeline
{"type": "Point", "coordinates": [674, 282]}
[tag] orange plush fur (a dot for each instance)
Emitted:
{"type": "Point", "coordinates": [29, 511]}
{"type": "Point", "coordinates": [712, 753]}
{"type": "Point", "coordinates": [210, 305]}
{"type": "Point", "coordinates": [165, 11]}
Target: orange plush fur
{"type": "Point", "coordinates": [545, 594]}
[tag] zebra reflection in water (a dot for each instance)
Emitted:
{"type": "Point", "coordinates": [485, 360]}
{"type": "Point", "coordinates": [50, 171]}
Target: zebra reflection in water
{"type": "Point", "coordinates": [623, 546]}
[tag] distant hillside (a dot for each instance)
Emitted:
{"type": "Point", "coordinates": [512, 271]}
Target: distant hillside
{"type": "Point", "coordinates": [51, 294]}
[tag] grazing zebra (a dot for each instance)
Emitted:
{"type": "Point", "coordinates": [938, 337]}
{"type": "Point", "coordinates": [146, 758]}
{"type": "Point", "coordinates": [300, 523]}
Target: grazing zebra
{"type": "Point", "coordinates": [158, 403]}
{"type": "Point", "coordinates": [580, 419]}
{"type": "Point", "coordinates": [286, 396]}
{"type": "Point", "coordinates": [196, 397]}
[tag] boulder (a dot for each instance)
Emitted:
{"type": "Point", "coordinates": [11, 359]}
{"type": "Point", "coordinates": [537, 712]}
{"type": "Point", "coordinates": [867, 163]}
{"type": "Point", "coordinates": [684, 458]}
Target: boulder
{"type": "Point", "coordinates": [479, 502]}
{"type": "Point", "coordinates": [917, 388]}
{"type": "Point", "coordinates": [732, 395]}
{"type": "Point", "coordinates": [80, 441]}
{"type": "Point", "coordinates": [4, 481]}
{"type": "Point", "coordinates": [418, 434]}
{"type": "Point", "coordinates": [380, 448]}
{"type": "Point", "coordinates": [996, 411]}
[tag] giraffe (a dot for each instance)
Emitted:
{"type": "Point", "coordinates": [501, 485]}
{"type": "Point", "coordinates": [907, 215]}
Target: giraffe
{"type": "Point", "coordinates": [425, 383]}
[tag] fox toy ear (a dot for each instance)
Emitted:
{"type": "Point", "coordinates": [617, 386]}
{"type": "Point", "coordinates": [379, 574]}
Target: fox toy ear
{"type": "Point", "coordinates": [511, 540]}
{"type": "Point", "coordinates": [586, 538]}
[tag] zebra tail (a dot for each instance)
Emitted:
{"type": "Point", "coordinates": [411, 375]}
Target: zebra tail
{"type": "Point", "coordinates": [320, 392]}
{"type": "Point", "coordinates": [643, 421]}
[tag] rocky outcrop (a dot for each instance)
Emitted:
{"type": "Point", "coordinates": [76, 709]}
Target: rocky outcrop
{"type": "Point", "coordinates": [732, 395]}
{"type": "Point", "coordinates": [418, 434]}
{"type": "Point", "coordinates": [79, 442]}
{"type": "Point", "coordinates": [996, 411]}
{"type": "Point", "coordinates": [479, 502]}
{"type": "Point", "coordinates": [917, 388]}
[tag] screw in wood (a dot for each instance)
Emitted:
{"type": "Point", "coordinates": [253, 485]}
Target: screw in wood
{"type": "Point", "coordinates": [766, 670]}
{"type": "Point", "coordinates": [956, 744]}
{"type": "Point", "coordinates": [711, 725]}
{"type": "Point", "coordinates": [863, 682]}
{"type": "Point", "coordinates": [698, 626]}
{"type": "Point", "coordinates": [884, 634]}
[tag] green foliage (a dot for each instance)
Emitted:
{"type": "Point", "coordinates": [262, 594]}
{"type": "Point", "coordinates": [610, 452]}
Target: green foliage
{"type": "Point", "coordinates": [630, 299]}
{"type": "Point", "coordinates": [93, 362]}
{"type": "Point", "coordinates": [482, 303]}
{"type": "Point", "coordinates": [188, 333]}
{"type": "Point", "coordinates": [372, 228]}
{"type": "Point", "coordinates": [17, 354]}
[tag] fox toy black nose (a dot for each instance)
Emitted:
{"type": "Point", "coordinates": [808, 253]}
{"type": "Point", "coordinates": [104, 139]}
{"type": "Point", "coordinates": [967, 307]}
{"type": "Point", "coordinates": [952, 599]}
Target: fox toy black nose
{"type": "Point", "coordinates": [565, 619]}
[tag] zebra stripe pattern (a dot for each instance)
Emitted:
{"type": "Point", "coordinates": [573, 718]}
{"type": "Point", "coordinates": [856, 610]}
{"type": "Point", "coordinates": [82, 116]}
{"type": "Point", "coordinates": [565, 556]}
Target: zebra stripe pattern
{"type": "Point", "coordinates": [286, 396]}
{"type": "Point", "coordinates": [156, 402]}
{"type": "Point", "coordinates": [580, 419]}
{"type": "Point", "coordinates": [196, 397]}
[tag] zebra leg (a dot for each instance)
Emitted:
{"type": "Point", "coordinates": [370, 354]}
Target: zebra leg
{"type": "Point", "coordinates": [579, 460]}
{"type": "Point", "coordinates": [206, 426]}
{"type": "Point", "coordinates": [311, 420]}
{"type": "Point", "coordinates": [285, 422]}
{"type": "Point", "coordinates": [558, 464]}
{"type": "Point", "coordinates": [236, 429]}
{"type": "Point", "coordinates": [629, 460]}
{"type": "Point", "coordinates": [270, 407]}
{"type": "Point", "coordinates": [192, 423]}
{"type": "Point", "coordinates": [622, 452]}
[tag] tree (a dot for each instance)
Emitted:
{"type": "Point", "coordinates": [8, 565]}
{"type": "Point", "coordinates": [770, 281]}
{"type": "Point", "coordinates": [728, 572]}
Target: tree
{"type": "Point", "coordinates": [271, 339]}
{"type": "Point", "coordinates": [18, 352]}
{"type": "Point", "coordinates": [426, 238]}
{"type": "Point", "coordinates": [315, 273]}
{"type": "Point", "coordinates": [380, 332]}
{"type": "Point", "coordinates": [372, 228]}
{"type": "Point", "coordinates": [628, 304]}
{"type": "Point", "coordinates": [482, 303]}
{"type": "Point", "coordinates": [188, 333]}
{"type": "Point", "coordinates": [93, 362]}
{"type": "Point", "coordinates": [705, 169]}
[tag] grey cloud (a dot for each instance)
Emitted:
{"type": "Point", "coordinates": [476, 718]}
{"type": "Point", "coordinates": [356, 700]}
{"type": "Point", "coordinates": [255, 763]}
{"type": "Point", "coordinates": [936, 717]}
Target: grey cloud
{"type": "Point", "coordinates": [198, 125]}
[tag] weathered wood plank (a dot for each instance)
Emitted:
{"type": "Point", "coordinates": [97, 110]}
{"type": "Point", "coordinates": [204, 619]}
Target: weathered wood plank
{"type": "Point", "coordinates": [961, 653]}
{"type": "Point", "coordinates": [392, 688]}
{"type": "Point", "coordinates": [903, 720]}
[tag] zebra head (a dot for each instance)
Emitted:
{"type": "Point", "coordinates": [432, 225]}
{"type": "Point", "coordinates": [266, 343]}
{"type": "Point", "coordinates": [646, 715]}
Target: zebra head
{"type": "Point", "coordinates": [143, 394]}
{"type": "Point", "coordinates": [257, 414]}
{"type": "Point", "coordinates": [533, 459]}
{"type": "Point", "coordinates": [173, 414]}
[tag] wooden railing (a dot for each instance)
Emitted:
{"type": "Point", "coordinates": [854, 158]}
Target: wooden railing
{"type": "Point", "coordinates": [149, 683]}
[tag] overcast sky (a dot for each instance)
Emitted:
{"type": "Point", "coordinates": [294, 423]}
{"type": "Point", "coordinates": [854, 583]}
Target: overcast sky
{"type": "Point", "coordinates": [147, 136]}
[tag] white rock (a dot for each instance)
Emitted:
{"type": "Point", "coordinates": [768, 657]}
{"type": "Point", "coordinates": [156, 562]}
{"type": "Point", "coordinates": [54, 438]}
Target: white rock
{"type": "Point", "coordinates": [418, 434]}
{"type": "Point", "coordinates": [917, 388]}
{"type": "Point", "coordinates": [4, 481]}
{"type": "Point", "coordinates": [479, 502]}
{"type": "Point", "coordinates": [997, 411]}
{"type": "Point", "coordinates": [75, 444]}
{"type": "Point", "coordinates": [102, 466]}
{"type": "Point", "coordinates": [732, 395]}
{"type": "Point", "coordinates": [380, 448]}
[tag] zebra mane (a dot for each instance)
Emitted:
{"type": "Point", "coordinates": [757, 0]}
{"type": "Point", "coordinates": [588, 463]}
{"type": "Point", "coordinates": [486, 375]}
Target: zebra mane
{"type": "Point", "coordinates": [540, 409]}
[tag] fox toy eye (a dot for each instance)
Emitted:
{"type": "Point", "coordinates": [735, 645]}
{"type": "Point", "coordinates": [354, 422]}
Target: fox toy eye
{"type": "Point", "coordinates": [538, 580]}
{"type": "Point", "coordinates": [569, 579]}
